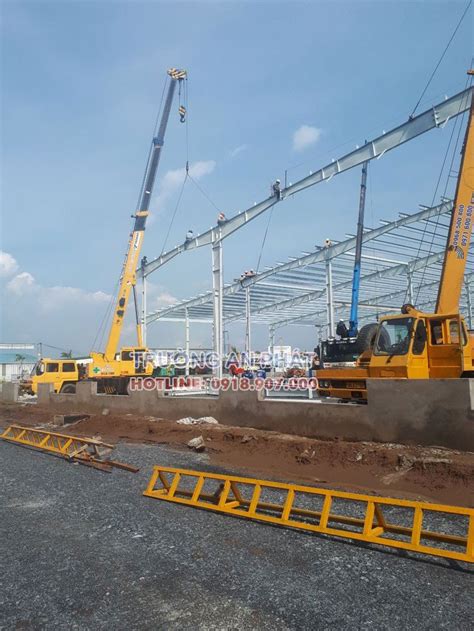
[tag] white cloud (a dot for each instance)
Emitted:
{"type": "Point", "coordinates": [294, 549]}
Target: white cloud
{"type": "Point", "coordinates": [8, 265]}
{"type": "Point", "coordinates": [172, 180]}
{"type": "Point", "coordinates": [164, 299]}
{"type": "Point", "coordinates": [305, 136]}
{"type": "Point", "coordinates": [21, 284]}
{"type": "Point", "coordinates": [57, 298]}
{"type": "Point", "coordinates": [65, 316]}
{"type": "Point", "coordinates": [159, 296]}
{"type": "Point", "coordinates": [237, 150]}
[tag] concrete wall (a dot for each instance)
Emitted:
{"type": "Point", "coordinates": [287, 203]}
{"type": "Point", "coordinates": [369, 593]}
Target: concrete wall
{"type": "Point", "coordinates": [9, 392]}
{"type": "Point", "coordinates": [426, 412]}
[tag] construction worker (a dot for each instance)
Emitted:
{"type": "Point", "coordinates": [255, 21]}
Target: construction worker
{"type": "Point", "coordinates": [276, 189]}
{"type": "Point", "coordinates": [221, 218]}
{"type": "Point", "coordinates": [341, 329]}
{"type": "Point", "coordinates": [189, 236]}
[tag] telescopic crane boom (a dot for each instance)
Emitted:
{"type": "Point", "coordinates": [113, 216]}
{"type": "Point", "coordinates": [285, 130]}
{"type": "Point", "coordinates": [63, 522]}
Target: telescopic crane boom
{"type": "Point", "coordinates": [111, 369]}
{"type": "Point", "coordinates": [354, 317]}
{"type": "Point", "coordinates": [128, 277]}
{"type": "Point", "coordinates": [460, 229]}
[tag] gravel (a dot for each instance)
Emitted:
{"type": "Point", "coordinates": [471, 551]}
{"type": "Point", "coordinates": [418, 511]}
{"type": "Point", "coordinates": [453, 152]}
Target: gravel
{"type": "Point", "coordinates": [82, 549]}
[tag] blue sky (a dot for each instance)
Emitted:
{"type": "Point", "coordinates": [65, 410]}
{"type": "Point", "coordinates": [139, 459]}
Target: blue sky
{"type": "Point", "coordinates": [81, 83]}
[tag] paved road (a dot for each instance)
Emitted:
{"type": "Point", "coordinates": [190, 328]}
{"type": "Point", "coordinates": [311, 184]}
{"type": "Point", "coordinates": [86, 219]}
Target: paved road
{"type": "Point", "coordinates": [81, 549]}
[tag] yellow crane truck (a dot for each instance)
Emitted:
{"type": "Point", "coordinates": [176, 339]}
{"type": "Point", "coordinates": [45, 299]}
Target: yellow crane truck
{"type": "Point", "coordinates": [113, 368]}
{"type": "Point", "coordinates": [417, 345]}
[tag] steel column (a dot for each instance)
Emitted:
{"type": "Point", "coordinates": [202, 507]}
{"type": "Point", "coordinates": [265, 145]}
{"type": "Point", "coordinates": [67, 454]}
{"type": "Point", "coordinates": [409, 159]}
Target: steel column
{"type": "Point", "coordinates": [217, 290]}
{"type": "Point", "coordinates": [248, 323]}
{"type": "Point", "coordinates": [409, 285]}
{"type": "Point", "coordinates": [271, 338]}
{"type": "Point", "coordinates": [186, 340]}
{"type": "Point", "coordinates": [329, 300]}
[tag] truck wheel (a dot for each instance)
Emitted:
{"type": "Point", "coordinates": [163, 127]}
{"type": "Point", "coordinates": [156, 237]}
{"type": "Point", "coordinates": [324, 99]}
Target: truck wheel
{"type": "Point", "coordinates": [68, 388]}
{"type": "Point", "coordinates": [366, 337]}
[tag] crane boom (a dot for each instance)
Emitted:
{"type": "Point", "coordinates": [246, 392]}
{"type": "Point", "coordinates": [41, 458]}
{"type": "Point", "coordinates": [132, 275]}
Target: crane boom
{"type": "Point", "coordinates": [460, 229]}
{"type": "Point", "coordinates": [353, 320]}
{"type": "Point", "coordinates": [128, 277]}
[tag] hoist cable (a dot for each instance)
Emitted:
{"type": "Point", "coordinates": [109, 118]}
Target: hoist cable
{"type": "Point", "coordinates": [203, 192]}
{"type": "Point", "coordinates": [100, 331]}
{"type": "Point", "coordinates": [456, 145]}
{"type": "Point", "coordinates": [264, 238]}
{"type": "Point", "coordinates": [174, 212]}
{"type": "Point", "coordinates": [442, 57]}
{"type": "Point", "coordinates": [459, 120]}
{"type": "Point", "coordinates": [186, 98]}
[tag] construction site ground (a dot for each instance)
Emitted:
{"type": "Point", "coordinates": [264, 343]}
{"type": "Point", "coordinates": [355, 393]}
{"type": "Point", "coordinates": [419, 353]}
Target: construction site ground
{"type": "Point", "coordinates": [82, 549]}
{"type": "Point", "coordinates": [424, 473]}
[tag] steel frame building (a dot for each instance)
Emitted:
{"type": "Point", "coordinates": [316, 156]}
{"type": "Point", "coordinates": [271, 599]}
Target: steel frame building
{"type": "Point", "coordinates": [401, 259]}
{"type": "Point", "coordinates": [314, 289]}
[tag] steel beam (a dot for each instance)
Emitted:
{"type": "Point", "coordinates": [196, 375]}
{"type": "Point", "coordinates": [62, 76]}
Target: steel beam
{"type": "Point", "coordinates": [388, 272]}
{"type": "Point", "coordinates": [316, 257]}
{"type": "Point", "coordinates": [367, 303]}
{"type": "Point", "coordinates": [436, 116]}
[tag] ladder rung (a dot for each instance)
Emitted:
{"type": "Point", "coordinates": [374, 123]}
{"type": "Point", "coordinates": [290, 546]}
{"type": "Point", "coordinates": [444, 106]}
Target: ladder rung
{"type": "Point", "coordinates": [379, 524]}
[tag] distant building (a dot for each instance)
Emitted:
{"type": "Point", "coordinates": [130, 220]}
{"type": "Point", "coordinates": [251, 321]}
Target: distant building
{"type": "Point", "coordinates": [15, 365]}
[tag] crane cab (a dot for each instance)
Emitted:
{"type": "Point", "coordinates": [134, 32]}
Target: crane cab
{"type": "Point", "coordinates": [413, 345]}
{"type": "Point", "coordinates": [421, 346]}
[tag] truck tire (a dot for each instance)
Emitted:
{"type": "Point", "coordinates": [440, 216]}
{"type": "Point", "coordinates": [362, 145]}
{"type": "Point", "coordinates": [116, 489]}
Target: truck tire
{"type": "Point", "coordinates": [366, 337]}
{"type": "Point", "coordinates": [68, 388]}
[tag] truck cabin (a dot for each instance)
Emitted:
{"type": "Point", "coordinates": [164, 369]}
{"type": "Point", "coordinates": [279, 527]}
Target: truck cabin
{"type": "Point", "coordinates": [58, 372]}
{"type": "Point", "coordinates": [413, 346]}
{"type": "Point", "coordinates": [421, 346]}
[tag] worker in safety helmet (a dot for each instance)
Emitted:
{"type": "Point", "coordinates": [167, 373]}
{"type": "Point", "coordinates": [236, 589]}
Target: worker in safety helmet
{"type": "Point", "coordinates": [221, 218]}
{"type": "Point", "coordinates": [189, 235]}
{"type": "Point", "coordinates": [276, 189]}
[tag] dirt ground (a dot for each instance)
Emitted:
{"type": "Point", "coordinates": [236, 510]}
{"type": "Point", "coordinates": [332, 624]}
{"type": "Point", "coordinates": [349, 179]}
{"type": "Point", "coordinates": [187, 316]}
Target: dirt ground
{"type": "Point", "coordinates": [433, 474]}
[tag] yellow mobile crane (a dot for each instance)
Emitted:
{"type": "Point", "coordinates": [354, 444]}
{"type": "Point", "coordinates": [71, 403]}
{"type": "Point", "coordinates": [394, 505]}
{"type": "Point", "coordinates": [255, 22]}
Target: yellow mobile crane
{"type": "Point", "coordinates": [113, 368]}
{"type": "Point", "coordinates": [417, 345]}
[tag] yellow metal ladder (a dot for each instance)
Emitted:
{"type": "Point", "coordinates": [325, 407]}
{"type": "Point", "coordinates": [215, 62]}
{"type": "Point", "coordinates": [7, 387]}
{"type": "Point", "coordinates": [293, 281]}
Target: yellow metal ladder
{"type": "Point", "coordinates": [84, 450]}
{"type": "Point", "coordinates": [385, 521]}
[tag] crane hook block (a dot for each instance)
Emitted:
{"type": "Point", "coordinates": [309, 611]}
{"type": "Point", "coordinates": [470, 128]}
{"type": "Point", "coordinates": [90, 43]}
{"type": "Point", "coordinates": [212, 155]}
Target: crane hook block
{"type": "Point", "coordinates": [175, 73]}
{"type": "Point", "coordinates": [182, 114]}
